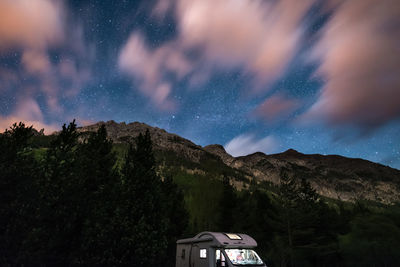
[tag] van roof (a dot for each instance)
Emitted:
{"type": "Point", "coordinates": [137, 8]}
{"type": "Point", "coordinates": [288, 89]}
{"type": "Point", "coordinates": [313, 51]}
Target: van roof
{"type": "Point", "coordinates": [228, 240]}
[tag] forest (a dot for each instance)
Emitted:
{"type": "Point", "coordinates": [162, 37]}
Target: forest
{"type": "Point", "coordinates": [72, 201]}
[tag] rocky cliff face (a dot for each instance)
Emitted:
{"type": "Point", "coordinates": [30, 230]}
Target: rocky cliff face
{"type": "Point", "coordinates": [332, 176]}
{"type": "Point", "coordinates": [162, 140]}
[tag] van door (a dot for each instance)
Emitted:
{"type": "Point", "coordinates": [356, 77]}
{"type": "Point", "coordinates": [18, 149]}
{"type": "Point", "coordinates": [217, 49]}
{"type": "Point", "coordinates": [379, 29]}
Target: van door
{"type": "Point", "coordinates": [199, 256]}
{"type": "Point", "coordinates": [182, 255]}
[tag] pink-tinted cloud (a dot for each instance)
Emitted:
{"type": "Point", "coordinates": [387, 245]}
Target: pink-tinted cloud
{"type": "Point", "coordinates": [29, 112]}
{"type": "Point", "coordinates": [149, 67]}
{"type": "Point", "coordinates": [276, 107]}
{"type": "Point", "coordinates": [36, 62]}
{"type": "Point", "coordinates": [33, 24]}
{"type": "Point", "coordinates": [32, 28]}
{"type": "Point", "coordinates": [161, 8]}
{"type": "Point", "coordinates": [7, 121]}
{"type": "Point", "coordinates": [260, 37]}
{"type": "Point", "coordinates": [359, 53]}
{"type": "Point", "coordinates": [28, 109]}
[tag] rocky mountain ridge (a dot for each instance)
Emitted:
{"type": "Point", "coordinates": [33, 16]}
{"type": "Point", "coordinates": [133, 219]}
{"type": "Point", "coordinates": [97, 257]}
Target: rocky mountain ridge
{"type": "Point", "coordinates": [332, 176]}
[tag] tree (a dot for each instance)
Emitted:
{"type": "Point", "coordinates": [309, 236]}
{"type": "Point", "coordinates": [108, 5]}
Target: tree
{"type": "Point", "coordinates": [57, 236]}
{"type": "Point", "coordinates": [142, 230]}
{"type": "Point", "coordinates": [256, 212]}
{"type": "Point", "coordinates": [18, 192]}
{"type": "Point", "coordinates": [176, 215]}
{"type": "Point", "coordinates": [227, 206]}
{"type": "Point", "coordinates": [374, 240]}
{"type": "Point", "coordinates": [100, 182]}
{"type": "Point", "coordinates": [295, 223]}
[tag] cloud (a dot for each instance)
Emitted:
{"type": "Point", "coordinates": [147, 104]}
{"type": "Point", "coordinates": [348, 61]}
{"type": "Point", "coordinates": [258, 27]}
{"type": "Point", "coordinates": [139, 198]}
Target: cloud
{"type": "Point", "coordinates": [29, 112]}
{"type": "Point", "coordinates": [36, 62]}
{"type": "Point", "coordinates": [260, 37]}
{"type": "Point", "coordinates": [7, 121]}
{"type": "Point", "coordinates": [359, 51]}
{"type": "Point", "coordinates": [150, 67]}
{"type": "Point", "coordinates": [276, 107]}
{"type": "Point", "coordinates": [33, 28]}
{"type": "Point", "coordinates": [247, 144]}
{"type": "Point", "coordinates": [32, 24]}
{"type": "Point", "coordinates": [161, 8]}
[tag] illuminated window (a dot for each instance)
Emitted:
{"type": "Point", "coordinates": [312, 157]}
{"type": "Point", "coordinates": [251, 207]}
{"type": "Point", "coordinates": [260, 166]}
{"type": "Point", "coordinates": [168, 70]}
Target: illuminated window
{"type": "Point", "coordinates": [243, 257]}
{"type": "Point", "coordinates": [233, 236]}
{"type": "Point", "coordinates": [203, 253]}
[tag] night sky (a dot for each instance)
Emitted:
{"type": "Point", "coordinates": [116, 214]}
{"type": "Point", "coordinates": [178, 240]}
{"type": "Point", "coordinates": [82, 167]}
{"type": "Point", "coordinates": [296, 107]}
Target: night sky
{"type": "Point", "coordinates": [252, 75]}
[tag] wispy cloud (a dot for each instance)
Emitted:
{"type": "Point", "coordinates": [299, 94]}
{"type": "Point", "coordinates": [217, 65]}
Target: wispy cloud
{"type": "Point", "coordinates": [359, 53]}
{"type": "Point", "coordinates": [150, 68]}
{"type": "Point", "coordinates": [34, 29]}
{"type": "Point", "coordinates": [247, 143]}
{"type": "Point", "coordinates": [260, 37]}
{"type": "Point", "coordinates": [30, 24]}
{"type": "Point", "coordinates": [27, 111]}
{"type": "Point", "coordinates": [276, 107]}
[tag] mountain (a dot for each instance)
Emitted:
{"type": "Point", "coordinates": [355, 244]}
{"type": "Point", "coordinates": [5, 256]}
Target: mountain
{"type": "Point", "coordinates": [332, 176]}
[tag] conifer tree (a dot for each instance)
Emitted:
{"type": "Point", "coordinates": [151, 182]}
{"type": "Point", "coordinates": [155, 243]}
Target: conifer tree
{"type": "Point", "coordinates": [176, 215]}
{"type": "Point", "coordinates": [142, 226]}
{"type": "Point", "coordinates": [62, 208]}
{"type": "Point", "coordinates": [227, 207]}
{"type": "Point", "coordinates": [18, 192]}
{"type": "Point", "coordinates": [99, 185]}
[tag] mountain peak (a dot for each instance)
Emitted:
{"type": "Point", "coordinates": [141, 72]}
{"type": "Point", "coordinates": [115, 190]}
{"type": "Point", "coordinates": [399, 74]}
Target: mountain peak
{"type": "Point", "coordinates": [219, 151]}
{"type": "Point", "coordinates": [215, 147]}
{"type": "Point", "coordinates": [291, 151]}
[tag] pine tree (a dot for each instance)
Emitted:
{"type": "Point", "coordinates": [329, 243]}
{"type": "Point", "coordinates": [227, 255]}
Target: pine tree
{"type": "Point", "coordinates": [99, 181]}
{"type": "Point", "coordinates": [176, 215]}
{"type": "Point", "coordinates": [18, 192]}
{"type": "Point", "coordinates": [227, 207]}
{"type": "Point", "coordinates": [300, 238]}
{"type": "Point", "coordinates": [62, 209]}
{"type": "Point", "coordinates": [292, 221]}
{"type": "Point", "coordinates": [142, 229]}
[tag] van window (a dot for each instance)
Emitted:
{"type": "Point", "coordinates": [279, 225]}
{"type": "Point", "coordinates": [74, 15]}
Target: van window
{"type": "Point", "coordinates": [203, 253]}
{"type": "Point", "coordinates": [233, 236]}
{"type": "Point", "coordinates": [243, 257]}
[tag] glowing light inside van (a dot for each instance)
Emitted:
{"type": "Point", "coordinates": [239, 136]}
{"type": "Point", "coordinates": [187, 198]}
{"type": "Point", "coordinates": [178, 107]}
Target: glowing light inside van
{"type": "Point", "coordinates": [233, 236]}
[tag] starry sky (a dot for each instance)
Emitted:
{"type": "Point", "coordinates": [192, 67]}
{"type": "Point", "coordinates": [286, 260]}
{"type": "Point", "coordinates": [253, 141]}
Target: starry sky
{"type": "Point", "coordinates": [252, 75]}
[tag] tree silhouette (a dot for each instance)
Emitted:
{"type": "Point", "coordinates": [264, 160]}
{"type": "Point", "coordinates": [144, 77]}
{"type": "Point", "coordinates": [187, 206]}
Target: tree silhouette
{"type": "Point", "coordinates": [100, 185]}
{"type": "Point", "coordinates": [143, 230]}
{"type": "Point", "coordinates": [176, 215]}
{"type": "Point", "coordinates": [18, 192]}
{"type": "Point", "coordinates": [227, 208]}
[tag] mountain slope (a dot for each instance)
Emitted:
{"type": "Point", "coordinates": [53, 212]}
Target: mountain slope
{"type": "Point", "coordinates": [332, 176]}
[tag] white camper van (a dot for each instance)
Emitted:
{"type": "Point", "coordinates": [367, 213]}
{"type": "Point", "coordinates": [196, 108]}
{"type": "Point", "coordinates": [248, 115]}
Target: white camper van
{"type": "Point", "coordinates": [209, 249]}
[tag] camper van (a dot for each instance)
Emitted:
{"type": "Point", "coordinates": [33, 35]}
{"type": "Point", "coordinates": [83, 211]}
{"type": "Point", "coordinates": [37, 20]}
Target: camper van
{"type": "Point", "coordinates": [209, 249]}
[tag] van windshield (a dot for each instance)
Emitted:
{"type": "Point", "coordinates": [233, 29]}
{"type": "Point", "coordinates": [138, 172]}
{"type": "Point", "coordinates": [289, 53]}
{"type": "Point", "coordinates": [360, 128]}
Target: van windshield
{"type": "Point", "coordinates": [243, 257]}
